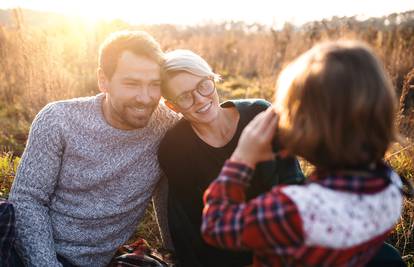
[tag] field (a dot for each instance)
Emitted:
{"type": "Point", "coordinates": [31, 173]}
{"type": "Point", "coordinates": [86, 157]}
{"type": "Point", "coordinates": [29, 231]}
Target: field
{"type": "Point", "coordinates": [47, 62]}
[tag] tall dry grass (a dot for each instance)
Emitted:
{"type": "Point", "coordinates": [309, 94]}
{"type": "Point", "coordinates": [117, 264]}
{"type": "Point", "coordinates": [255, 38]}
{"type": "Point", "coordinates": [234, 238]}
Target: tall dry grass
{"type": "Point", "coordinates": [40, 64]}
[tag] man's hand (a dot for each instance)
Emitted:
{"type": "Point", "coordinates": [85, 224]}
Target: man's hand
{"type": "Point", "coordinates": [255, 141]}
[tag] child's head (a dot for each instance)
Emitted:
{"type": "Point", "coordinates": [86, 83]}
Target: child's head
{"type": "Point", "coordinates": [336, 106]}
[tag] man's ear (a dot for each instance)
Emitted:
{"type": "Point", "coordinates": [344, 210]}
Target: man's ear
{"type": "Point", "coordinates": [103, 82]}
{"type": "Point", "coordinates": [170, 105]}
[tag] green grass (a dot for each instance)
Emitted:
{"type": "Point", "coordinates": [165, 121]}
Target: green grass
{"type": "Point", "coordinates": [8, 167]}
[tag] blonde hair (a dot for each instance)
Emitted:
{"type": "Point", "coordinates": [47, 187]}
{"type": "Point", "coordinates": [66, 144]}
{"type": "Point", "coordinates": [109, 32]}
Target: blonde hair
{"type": "Point", "coordinates": [182, 60]}
{"type": "Point", "coordinates": [337, 106]}
{"type": "Point", "coordinates": [138, 42]}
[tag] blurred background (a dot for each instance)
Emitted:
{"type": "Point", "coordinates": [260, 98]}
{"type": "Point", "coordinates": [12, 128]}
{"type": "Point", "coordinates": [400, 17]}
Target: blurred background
{"type": "Point", "coordinates": [48, 52]}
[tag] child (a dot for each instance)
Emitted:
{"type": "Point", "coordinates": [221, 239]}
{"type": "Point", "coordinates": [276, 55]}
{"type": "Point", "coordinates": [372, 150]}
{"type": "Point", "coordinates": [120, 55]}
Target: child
{"type": "Point", "coordinates": [336, 108]}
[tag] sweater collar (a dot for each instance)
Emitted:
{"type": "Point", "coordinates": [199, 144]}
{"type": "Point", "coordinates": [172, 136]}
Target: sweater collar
{"type": "Point", "coordinates": [362, 180]}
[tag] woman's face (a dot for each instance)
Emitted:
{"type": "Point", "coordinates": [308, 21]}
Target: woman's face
{"type": "Point", "coordinates": [199, 91]}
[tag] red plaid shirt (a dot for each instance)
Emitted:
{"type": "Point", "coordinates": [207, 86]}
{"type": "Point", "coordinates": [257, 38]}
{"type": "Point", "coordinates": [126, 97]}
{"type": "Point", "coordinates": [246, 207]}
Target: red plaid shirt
{"type": "Point", "coordinates": [272, 224]}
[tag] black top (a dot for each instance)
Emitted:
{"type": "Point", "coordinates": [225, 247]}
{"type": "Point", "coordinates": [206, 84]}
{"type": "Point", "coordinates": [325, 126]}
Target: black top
{"type": "Point", "coordinates": [191, 165]}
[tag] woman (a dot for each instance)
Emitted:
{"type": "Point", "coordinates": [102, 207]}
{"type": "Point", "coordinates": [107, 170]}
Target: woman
{"type": "Point", "coordinates": [193, 152]}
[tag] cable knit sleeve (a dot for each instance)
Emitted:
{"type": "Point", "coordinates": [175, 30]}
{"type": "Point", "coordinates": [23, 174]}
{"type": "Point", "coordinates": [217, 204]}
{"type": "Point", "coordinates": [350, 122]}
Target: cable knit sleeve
{"type": "Point", "coordinates": [32, 189]}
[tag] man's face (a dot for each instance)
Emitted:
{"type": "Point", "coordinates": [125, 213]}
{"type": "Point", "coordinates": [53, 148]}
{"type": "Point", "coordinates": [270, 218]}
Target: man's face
{"type": "Point", "coordinates": [133, 92]}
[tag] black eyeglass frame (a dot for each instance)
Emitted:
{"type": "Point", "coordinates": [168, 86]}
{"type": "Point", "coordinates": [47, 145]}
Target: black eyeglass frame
{"type": "Point", "coordinates": [190, 92]}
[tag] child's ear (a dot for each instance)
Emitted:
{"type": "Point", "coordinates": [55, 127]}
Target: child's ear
{"type": "Point", "coordinates": [170, 105]}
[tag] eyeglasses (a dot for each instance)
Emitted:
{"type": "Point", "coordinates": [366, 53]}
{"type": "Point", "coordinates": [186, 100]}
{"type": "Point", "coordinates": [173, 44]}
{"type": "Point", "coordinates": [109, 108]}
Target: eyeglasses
{"type": "Point", "coordinates": [205, 87]}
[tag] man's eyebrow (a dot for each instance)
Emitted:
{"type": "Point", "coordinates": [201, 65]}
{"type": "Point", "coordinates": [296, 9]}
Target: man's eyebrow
{"type": "Point", "coordinates": [129, 78]}
{"type": "Point", "coordinates": [133, 79]}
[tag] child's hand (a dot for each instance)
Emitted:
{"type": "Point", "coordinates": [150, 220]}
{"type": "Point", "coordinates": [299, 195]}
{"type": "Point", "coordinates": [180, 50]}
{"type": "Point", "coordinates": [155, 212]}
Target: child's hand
{"type": "Point", "coordinates": [255, 141]}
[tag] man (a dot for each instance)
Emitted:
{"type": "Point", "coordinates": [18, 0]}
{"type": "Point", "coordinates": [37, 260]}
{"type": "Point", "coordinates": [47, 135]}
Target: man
{"type": "Point", "coordinates": [90, 165]}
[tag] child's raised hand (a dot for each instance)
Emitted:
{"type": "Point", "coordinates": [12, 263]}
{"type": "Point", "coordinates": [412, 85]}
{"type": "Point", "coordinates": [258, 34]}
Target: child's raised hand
{"type": "Point", "coordinates": [255, 141]}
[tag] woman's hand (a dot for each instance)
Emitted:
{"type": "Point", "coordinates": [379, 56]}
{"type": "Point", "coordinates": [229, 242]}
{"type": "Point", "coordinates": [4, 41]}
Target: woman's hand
{"type": "Point", "coordinates": [255, 141]}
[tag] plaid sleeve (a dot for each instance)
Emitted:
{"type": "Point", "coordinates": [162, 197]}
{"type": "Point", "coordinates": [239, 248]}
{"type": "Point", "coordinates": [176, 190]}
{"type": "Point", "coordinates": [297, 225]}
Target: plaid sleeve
{"type": "Point", "coordinates": [7, 232]}
{"type": "Point", "coordinates": [270, 221]}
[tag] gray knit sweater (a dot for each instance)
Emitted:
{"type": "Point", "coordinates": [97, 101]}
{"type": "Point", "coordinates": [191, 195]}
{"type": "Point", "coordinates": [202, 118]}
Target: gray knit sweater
{"type": "Point", "coordinates": [82, 186]}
